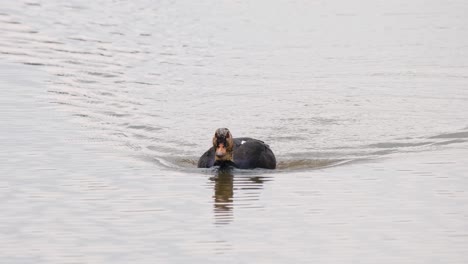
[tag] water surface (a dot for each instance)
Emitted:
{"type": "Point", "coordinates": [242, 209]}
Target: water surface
{"type": "Point", "coordinates": [105, 107]}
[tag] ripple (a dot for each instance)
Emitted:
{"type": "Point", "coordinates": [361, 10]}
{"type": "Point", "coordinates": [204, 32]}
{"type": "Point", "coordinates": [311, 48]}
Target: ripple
{"type": "Point", "coordinates": [398, 144]}
{"type": "Point", "coordinates": [463, 134]}
{"type": "Point", "coordinates": [144, 127]}
{"type": "Point", "coordinates": [114, 114]}
{"type": "Point", "coordinates": [303, 164]}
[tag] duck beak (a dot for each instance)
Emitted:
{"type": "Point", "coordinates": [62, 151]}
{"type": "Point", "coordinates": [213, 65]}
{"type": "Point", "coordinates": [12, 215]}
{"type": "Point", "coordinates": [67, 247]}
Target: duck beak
{"type": "Point", "coordinates": [220, 151]}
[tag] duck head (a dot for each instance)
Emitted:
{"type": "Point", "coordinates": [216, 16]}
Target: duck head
{"type": "Point", "coordinates": [223, 145]}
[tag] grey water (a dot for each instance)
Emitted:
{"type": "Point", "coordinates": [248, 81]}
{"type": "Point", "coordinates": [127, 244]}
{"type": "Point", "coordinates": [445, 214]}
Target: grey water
{"type": "Point", "coordinates": [105, 107]}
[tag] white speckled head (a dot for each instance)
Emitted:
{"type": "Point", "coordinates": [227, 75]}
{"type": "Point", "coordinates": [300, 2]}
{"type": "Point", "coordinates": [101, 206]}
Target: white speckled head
{"type": "Point", "coordinates": [222, 132]}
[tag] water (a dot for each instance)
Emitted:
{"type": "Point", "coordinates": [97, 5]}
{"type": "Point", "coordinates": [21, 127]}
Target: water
{"type": "Point", "coordinates": [105, 107]}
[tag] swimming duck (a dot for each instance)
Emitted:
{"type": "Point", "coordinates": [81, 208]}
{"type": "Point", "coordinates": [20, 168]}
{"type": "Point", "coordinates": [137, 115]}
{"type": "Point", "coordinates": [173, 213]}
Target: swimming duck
{"type": "Point", "coordinates": [242, 153]}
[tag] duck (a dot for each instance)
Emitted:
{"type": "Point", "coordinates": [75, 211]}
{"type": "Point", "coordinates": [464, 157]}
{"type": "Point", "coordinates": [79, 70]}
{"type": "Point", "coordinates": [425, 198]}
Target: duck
{"type": "Point", "coordinates": [241, 153]}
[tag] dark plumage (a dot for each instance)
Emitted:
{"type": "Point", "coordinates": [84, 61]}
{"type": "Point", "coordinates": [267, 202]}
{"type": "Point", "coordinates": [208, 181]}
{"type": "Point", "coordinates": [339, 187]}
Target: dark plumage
{"type": "Point", "coordinates": [242, 153]}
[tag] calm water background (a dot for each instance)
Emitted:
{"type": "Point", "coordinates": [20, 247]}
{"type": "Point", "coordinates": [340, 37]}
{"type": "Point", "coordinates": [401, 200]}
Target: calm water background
{"type": "Point", "coordinates": [105, 107]}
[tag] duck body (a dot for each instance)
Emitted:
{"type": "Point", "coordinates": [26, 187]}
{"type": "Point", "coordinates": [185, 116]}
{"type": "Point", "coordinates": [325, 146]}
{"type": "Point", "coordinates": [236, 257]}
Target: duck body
{"type": "Point", "coordinates": [245, 153]}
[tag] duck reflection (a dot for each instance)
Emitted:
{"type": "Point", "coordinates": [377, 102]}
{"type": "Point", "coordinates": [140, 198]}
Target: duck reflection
{"type": "Point", "coordinates": [225, 183]}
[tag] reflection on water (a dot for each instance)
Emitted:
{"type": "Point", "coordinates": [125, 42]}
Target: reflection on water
{"type": "Point", "coordinates": [223, 196]}
{"type": "Point", "coordinates": [225, 184]}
